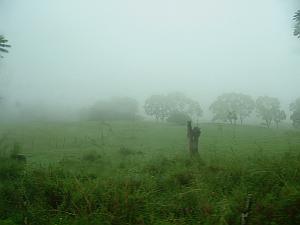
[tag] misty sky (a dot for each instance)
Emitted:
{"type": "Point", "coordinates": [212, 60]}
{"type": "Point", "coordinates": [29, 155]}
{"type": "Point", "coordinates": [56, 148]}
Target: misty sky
{"type": "Point", "coordinates": [78, 51]}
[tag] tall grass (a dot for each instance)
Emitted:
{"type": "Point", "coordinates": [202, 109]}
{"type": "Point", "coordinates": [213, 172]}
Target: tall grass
{"type": "Point", "coordinates": [134, 183]}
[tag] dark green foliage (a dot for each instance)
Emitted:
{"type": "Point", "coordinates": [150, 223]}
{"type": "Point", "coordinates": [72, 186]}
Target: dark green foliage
{"type": "Point", "coordinates": [178, 118]}
{"type": "Point", "coordinates": [178, 190]}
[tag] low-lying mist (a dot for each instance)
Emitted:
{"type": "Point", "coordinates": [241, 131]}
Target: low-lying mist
{"type": "Point", "coordinates": [68, 55]}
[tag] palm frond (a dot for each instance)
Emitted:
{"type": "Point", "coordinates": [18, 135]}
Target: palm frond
{"type": "Point", "coordinates": [297, 16]}
{"type": "Point", "coordinates": [3, 50]}
{"type": "Point", "coordinates": [3, 45]}
{"type": "Point", "coordinates": [297, 24]}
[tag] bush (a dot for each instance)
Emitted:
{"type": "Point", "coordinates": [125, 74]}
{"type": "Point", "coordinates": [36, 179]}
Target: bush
{"type": "Point", "coordinates": [178, 118]}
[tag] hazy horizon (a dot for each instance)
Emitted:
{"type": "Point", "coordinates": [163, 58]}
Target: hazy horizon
{"type": "Point", "coordinates": [73, 53]}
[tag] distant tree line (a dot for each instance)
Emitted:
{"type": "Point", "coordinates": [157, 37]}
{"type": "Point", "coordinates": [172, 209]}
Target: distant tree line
{"type": "Point", "coordinates": [177, 108]}
{"type": "Point", "coordinates": [231, 107]}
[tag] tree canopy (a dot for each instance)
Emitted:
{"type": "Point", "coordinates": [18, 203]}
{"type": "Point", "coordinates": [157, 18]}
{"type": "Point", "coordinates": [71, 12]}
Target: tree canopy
{"type": "Point", "coordinates": [163, 106]}
{"type": "Point", "coordinates": [157, 106]}
{"type": "Point", "coordinates": [268, 109]}
{"type": "Point", "coordinates": [232, 107]}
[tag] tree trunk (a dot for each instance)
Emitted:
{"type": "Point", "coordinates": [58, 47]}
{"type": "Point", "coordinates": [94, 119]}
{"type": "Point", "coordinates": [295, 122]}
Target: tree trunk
{"type": "Point", "coordinates": [193, 135]}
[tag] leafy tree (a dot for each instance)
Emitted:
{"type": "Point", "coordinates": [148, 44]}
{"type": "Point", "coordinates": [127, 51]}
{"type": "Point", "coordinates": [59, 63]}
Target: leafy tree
{"type": "Point", "coordinates": [268, 109]}
{"type": "Point", "coordinates": [279, 116]}
{"type": "Point", "coordinates": [178, 102]}
{"type": "Point", "coordinates": [3, 45]}
{"type": "Point", "coordinates": [297, 24]}
{"type": "Point", "coordinates": [295, 109]}
{"type": "Point", "coordinates": [232, 107]}
{"type": "Point", "coordinates": [157, 106]}
{"type": "Point", "coordinates": [162, 106]}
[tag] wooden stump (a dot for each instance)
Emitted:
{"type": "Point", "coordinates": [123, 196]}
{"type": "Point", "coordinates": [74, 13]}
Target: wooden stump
{"type": "Point", "coordinates": [193, 135]}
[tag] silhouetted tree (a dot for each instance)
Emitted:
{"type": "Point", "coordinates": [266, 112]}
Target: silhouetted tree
{"type": "Point", "coordinates": [3, 45]}
{"type": "Point", "coordinates": [232, 107]}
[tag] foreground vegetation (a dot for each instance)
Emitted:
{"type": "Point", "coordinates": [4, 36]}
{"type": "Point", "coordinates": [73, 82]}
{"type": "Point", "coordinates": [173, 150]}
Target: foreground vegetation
{"type": "Point", "coordinates": [141, 173]}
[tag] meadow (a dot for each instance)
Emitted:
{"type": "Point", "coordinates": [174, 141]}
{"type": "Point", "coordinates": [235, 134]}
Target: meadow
{"type": "Point", "coordinates": [140, 172]}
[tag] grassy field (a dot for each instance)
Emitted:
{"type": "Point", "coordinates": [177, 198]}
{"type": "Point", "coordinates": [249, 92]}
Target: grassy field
{"type": "Point", "coordinates": [141, 173]}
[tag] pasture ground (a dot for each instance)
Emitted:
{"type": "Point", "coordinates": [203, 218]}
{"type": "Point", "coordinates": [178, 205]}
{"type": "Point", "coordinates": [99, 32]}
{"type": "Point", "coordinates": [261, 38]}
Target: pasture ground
{"type": "Point", "coordinates": [140, 173]}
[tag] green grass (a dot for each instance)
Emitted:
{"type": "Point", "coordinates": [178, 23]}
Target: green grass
{"type": "Point", "coordinates": [141, 173]}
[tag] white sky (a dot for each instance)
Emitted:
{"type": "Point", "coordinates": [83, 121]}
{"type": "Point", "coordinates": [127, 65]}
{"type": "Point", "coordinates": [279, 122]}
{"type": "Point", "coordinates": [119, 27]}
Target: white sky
{"type": "Point", "coordinates": [77, 51]}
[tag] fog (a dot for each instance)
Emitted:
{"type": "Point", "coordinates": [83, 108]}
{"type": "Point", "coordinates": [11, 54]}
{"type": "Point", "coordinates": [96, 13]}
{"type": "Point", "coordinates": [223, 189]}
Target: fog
{"type": "Point", "coordinates": [72, 53]}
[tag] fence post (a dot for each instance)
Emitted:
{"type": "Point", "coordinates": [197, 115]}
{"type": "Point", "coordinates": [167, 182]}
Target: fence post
{"type": "Point", "coordinates": [193, 135]}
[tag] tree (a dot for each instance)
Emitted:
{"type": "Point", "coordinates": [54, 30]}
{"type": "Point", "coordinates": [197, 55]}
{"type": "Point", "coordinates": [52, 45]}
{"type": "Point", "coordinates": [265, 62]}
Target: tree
{"type": "Point", "coordinates": [231, 107]}
{"type": "Point", "coordinates": [295, 109]}
{"type": "Point", "coordinates": [162, 106]}
{"type": "Point", "coordinates": [297, 24]}
{"type": "Point", "coordinates": [3, 45]}
{"type": "Point", "coordinates": [268, 109]}
{"type": "Point", "coordinates": [232, 117]}
{"type": "Point", "coordinates": [180, 103]}
{"type": "Point", "coordinates": [157, 106]}
{"type": "Point", "coordinates": [279, 116]}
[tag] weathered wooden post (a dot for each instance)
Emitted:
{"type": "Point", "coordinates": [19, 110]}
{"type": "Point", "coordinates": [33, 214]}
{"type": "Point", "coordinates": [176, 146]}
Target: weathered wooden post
{"type": "Point", "coordinates": [193, 135]}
